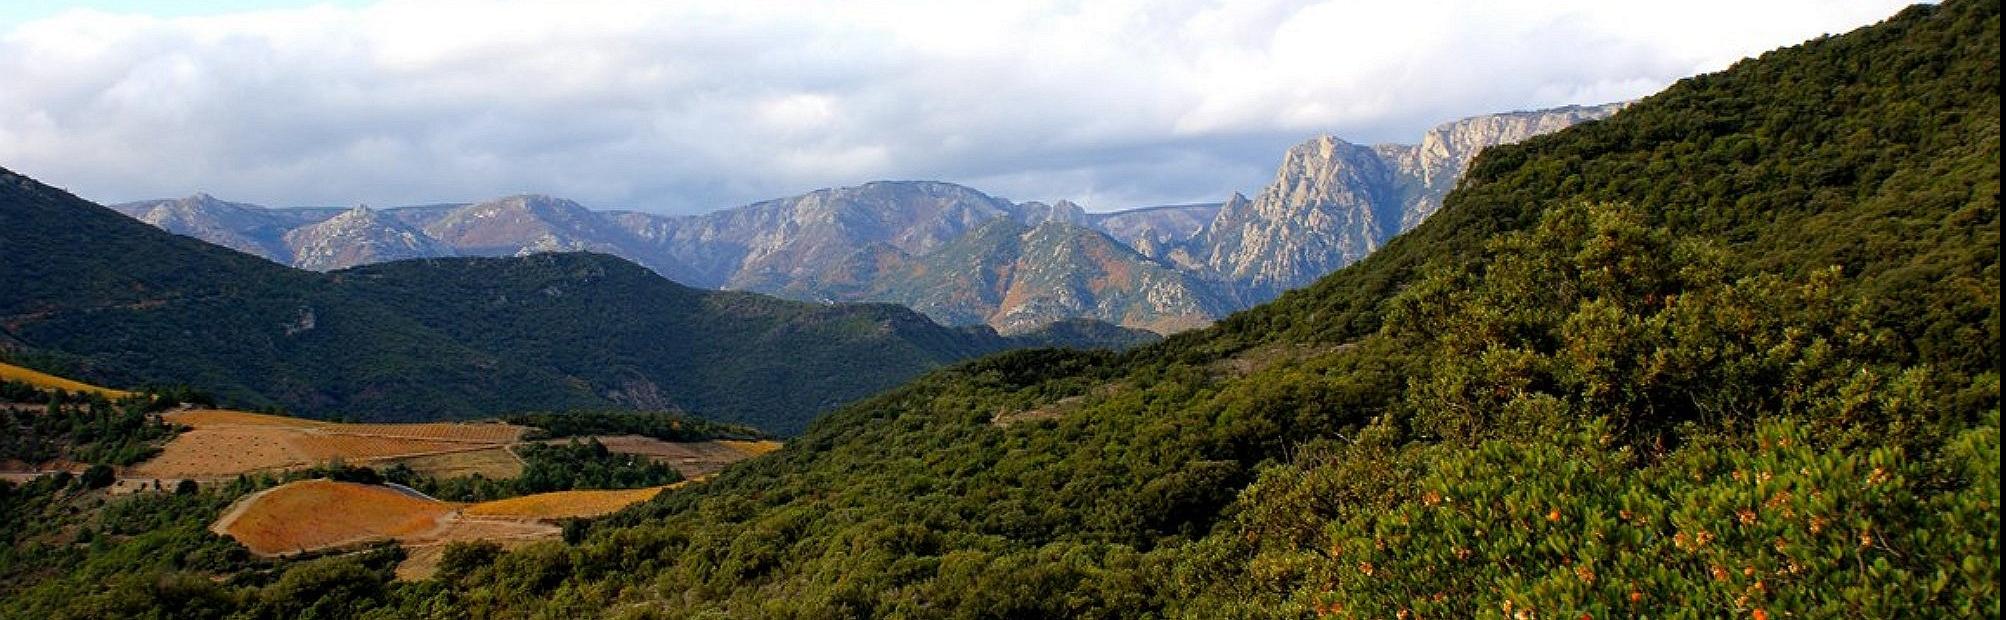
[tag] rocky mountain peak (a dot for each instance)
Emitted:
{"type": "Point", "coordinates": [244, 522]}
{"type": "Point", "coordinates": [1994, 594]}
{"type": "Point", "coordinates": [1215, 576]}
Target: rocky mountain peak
{"type": "Point", "coordinates": [1034, 213]}
{"type": "Point", "coordinates": [1332, 202]}
{"type": "Point", "coordinates": [358, 236]}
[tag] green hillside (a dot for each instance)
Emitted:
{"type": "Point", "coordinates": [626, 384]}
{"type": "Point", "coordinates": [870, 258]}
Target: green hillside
{"type": "Point", "coordinates": [1733, 349]}
{"type": "Point", "coordinates": [1730, 353]}
{"type": "Point", "coordinates": [97, 295]}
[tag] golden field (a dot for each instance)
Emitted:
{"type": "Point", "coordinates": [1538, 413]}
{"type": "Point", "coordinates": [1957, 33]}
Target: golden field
{"type": "Point", "coordinates": [565, 504]}
{"type": "Point", "coordinates": [40, 379]}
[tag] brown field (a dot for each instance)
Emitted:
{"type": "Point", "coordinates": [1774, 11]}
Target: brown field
{"type": "Point", "coordinates": [319, 447]}
{"type": "Point", "coordinates": [564, 504]}
{"type": "Point", "coordinates": [40, 379]}
{"type": "Point", "coordinates": [490, 463]}
{"type": "Point", "coordinates": [319, 514]}
{"type": "Point", "coordinates": [461, 432]}
{"type": "Point", "coordinates": [691, 459]}
{"type": "Point", "coordinates": [226, 443]}
{"type": "Point", "coordinates": [212, 453]}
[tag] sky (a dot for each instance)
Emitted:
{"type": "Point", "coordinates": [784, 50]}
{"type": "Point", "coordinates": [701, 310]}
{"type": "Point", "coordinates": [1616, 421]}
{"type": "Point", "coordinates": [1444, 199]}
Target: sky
{"type": "Point", "coordinates": [685, 107]}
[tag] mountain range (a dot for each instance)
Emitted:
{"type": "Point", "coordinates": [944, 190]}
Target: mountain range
{"type": "Point", "coordinates": [108, 298]}
{"type": "Point", "coordinates": [951, 252]}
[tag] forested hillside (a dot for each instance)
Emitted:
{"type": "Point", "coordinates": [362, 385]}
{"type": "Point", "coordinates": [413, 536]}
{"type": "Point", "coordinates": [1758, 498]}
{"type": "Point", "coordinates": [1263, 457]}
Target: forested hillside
{"type": "Point", "coordinates": [1732, 352]}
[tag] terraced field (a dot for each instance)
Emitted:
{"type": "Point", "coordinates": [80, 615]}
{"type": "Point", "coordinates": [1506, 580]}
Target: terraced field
{"type": "Point", "coordinates": [224, 443]}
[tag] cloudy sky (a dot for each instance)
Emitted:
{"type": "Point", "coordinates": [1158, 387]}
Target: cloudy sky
{"type": "Point", "coordinates": [692, 106]}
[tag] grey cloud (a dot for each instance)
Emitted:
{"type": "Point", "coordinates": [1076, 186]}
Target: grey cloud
{"type": "Point", "coordinates": [682, 108]}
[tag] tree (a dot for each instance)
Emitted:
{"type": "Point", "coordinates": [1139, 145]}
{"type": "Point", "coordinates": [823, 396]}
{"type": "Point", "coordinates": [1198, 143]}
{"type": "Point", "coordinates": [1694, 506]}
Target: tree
{"type": "Point", "coordinates": [98, 476]}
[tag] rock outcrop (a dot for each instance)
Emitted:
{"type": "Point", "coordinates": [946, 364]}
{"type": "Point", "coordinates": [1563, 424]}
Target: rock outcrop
{"type": "Point", "coordinates": [1333, 202]}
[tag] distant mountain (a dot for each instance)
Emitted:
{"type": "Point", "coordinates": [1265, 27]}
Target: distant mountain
{"type": "Point", "coordinates": [1333, 202]}
{"type": "Point", "coordinates": [1153, 231]}
{"type": "Point", "coordinates": [1063, 212]}
{"type": "Point", "coordinates": [1016, 278]}
{"type": "Point", "coordinates": [359, 236]}
{"type": "Point", "coordinates": [843, 244]}
{"type": "Point", "coordinates": [781, 246]}
{"type": "Point", "coordinates": [246, 228]}
{"type": "Point", "coordinates": [126, 304]}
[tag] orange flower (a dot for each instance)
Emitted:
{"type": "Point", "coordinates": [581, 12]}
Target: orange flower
{"type": "Point", "coordinates": [1365, 567]}
{"type": "Point", "coordinates": [1636, 596]}
{"type": "Point", "coordinates": [1761, 615]}
{"type": "Point", "coordinates": [1586, 573]}
{"type": "Point", "coordinates": [1553, 515]}
{"type": "Point", "coordinates": [1746, 516]}
{"type": "Point", "coordinates": [1719, 574]}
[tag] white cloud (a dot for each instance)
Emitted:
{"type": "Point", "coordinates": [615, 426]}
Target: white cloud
{"type": "Point", "coordinates": [689, 106]}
